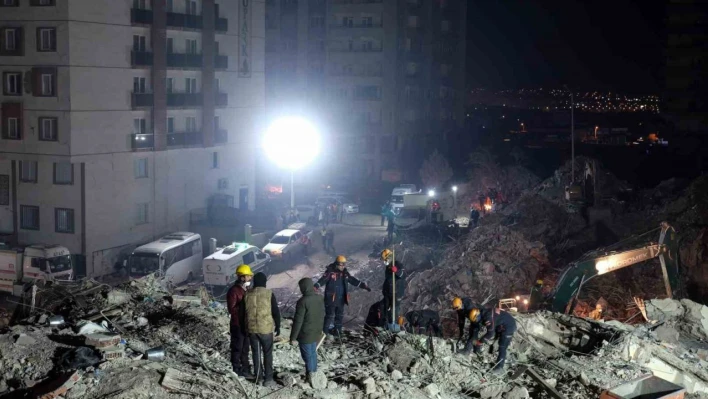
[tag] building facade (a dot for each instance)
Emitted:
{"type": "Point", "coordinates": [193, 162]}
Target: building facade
{"type": "Point", "coordinates": [380, 77]}
{"type": "Point", "coordinates": [121, 117]}
{"type": "Point", "coordinates": [686, 95]}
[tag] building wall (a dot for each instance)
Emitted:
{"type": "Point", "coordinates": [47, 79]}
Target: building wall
{"type": "Point", "coordinates": [95, 121]}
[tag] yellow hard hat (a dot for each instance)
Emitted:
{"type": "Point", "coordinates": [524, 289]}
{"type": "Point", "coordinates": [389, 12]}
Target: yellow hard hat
{"type": "Point", "coordinates": [457, 303]}
{"type": "Point", "coordinates": [386, 253]}
{"type": "Point", "coordinates": [341, 259]}
{"type": "Point", "coordinates": [539, 282]}
{"type": "Point", "coordinates": [474, 315]}
{"type": "Point", "coordinates": [244, 270]}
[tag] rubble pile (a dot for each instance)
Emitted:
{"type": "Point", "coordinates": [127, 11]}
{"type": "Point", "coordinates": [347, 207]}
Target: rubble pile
{"type": "Point", "coordinates": [149, 344]}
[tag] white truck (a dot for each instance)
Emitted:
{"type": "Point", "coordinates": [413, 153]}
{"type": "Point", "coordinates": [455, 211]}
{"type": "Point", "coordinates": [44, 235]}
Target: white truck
{"type": "Point", "coordinates": [398, 194]}
{"type": "Point", "coordinates": [415, 201]}
{"type": "Point", "coordinates": [38, 262]}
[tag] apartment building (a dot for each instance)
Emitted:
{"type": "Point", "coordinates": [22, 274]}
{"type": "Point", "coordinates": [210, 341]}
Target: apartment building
{"type": "Point", "coordinates": [121, 117]}
{"type": "Point", "coordinates": [379, 77]}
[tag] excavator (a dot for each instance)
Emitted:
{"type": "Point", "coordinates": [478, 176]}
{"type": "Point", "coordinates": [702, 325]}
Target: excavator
{"type": "Point", "coordinates": [603, 261]}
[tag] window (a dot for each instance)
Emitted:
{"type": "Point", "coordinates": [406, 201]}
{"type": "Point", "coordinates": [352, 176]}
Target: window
{"type": "Point", "coordinates": [217, 122]}
{"type": "Point", "coordinates": [41, 3]}
{"type": "Point", "coordinates": [11, 43]}
{"type": "Point", "coordinates": [169, 6]}
{"type": "Point", "coordinates": [13, 128]}
{"type": "Point", "coordinates": [216, 48]}
{"type": "Point", "coordinates": [191, 7]}
{"type": "Point", "coordinates": [9, 3]}
{"type": "Point", "coordinates": [12, 84]}
{"type": "Point", "coordinates": [63, 220]}
{"type": "Point", "coordinates": [170, 46]}
{"type": "Point", "coordinates": [4, 189]}
{"type": "Point", "coordinates": [347, 22]}
{"type": "Point", "coordinates": [46, 39]}
{"type": "Point", "coordinates": [190, 85]}
{"type": "Point", "coordinates": [139, 126]}
{"type": "Point", "coordinates": [47, 80]}
{"type": "Point", "coordinates": [170, 125]}
{"type": "Point", "coordinates": [316, 21]}
{"type": "Point", "coordinates": [139, 85]}
{"type": "Point", "coordinates": [139, 43]}
{"type": "Point", "coordinates": [29, 217]}
{"type": "Point", "coordinates": [63, 173]}
{"type": "Point", "coordinates": [217, 84]}
{"type": "Point", "coordinates": [191, 46]}
{"type": "Point", "coordinates": [249, 258]}
{"type": "Point", "coordinates": [367, 21]}
{"type": "Point", "coordinates": [215, 160]}
{"type": "Point", "coordinates": [141, 168]}
{"type": "Point", "coordinates": [47, 129]}
{"type": "Point", "coordinates": [141, 213]}
{"type": "Point", "coordinates": [140, 4]}
{"type": "Point", "coordinates": [191, 124]}
{"type": "Point", "coordinates": [170, 85]}
{"type": "Point", "coordinates": [44, 82]}
{"type": "Point", "coordinates": [28, 171]}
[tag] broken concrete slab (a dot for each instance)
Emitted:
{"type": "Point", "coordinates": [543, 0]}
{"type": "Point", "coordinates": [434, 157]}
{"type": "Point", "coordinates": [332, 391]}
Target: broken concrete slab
{"type": "Point", "coordinates": [432, 390]}
{"type": "Point", "coordinates": [318, 380]}
{"type": "Point", "coordinates": [518, 393]}
{"type": "Point", "coordinates": [667, 334]}
{"type": "Point", "coordinates": [396, 375]}
{"type": "Point", "coordinates": [25, 340]}
{"type": "Point", "coordinates": [664, 309]}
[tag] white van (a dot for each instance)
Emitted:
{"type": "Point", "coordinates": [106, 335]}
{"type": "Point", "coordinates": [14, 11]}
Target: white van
{"type": "Point", "coordinates": [398, 193]}
{"type": "Point", "coordinates": [177, 257]}
{"type": "Point", "coordinates": [220, 267]}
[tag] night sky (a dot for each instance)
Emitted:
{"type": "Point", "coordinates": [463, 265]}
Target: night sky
{"type": "Point", "coordinates": [598, 44]}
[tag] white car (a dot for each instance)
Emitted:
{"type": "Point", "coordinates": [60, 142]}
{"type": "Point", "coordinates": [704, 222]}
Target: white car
{"type": "Point", "coordinates": [286, 244]}
{"type": "Point", "coordinates": [350, 207]}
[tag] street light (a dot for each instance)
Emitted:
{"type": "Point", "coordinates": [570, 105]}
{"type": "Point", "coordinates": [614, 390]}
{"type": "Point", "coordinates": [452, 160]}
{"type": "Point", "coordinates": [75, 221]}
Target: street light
{"type": "Point", "coordinates": [454, 199]}
{"type": "Point", "coordinates": [596, 127]}
{"type": "Point", "coordinates": [431, 193]}
{"type": "Point", "coordinates": [291, 143]}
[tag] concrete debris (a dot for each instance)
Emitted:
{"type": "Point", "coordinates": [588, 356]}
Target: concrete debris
{"type": "Point", "coordinates": [25, 340]}
{"type": "Point", "coordinates": [318, 380]}
{"type": "Point", "coordinates": [396, 375]}
{"type": "Point", "coordinates": [431, 390]}
{"type": "Point", "coordinates": [518, 393]}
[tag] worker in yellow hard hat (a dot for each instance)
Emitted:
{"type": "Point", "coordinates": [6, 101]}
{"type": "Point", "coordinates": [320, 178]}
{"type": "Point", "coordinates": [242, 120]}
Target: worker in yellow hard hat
{"type": "Point", "coordinates": [394, 280]}
{"type": "Point", "coordinates": [240, 343]}
{"type": "Point", "coordinates": [335, 279]}
{"type": "Point", "coordinates": [463, 307]}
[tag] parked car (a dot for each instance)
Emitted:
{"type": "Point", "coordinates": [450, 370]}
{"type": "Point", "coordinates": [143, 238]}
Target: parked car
{"type": "Point", "coordinates": [219, 268]}
{"type": "Point", "coordinates": [349, 205]}
{"type": "Point", "coordinates": [287, 243]}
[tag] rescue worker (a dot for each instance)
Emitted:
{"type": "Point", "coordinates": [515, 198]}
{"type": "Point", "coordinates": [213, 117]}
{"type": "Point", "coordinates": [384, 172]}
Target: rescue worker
{"type": "Point", "coordinates": [305, 241]}
{"type": "Point", "coordinates": [597, 313]}
{"type": "Point", "coordinates": [384, 212]}
{"type": "Point", "coordinates": [425, 321]}
{"type": "Point", "coordinates": [536, 296]}
{"type": "Point", "coordinates": [330, 241]}
{"type": "Point", "coordinates": [463, 307]}
{"type": "Point", "coordinates": [375, 318]}
{"type": "Point", "coordinates": [481, 197]}
{"type": "Point", "coordinates": [501, 326]}
{"type": "Point", "coordinates": [239, 337]}
{"type": "Point", "coordinates": [323, 233]}
{"type": "Point", "coordinates": [306, 329]}
{"type": "Point", "coordinates": [390, 229]}
{"type": "Point", "coordinates": [262, 320]}
{"type": "Point", "coordinates": [335, 279]}
{"type": "Point", "coordinates": [474, 217]}
{"type": "Point", "coordinates": [393, 268]}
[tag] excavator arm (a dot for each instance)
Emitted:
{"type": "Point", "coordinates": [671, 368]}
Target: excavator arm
{"type": "Point", "coordinates": [579, 273]}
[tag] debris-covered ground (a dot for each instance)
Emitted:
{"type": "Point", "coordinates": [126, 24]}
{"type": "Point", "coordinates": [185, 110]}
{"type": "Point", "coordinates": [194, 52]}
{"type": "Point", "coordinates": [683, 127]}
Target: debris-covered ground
{"type": "Point", "coordinates": [106, 349]}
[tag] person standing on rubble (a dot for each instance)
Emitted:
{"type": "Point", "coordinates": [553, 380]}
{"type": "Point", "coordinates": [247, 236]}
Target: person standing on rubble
{"type": "Point", "coordinates": [394, 280]}
{"type": "Point", "coordinates": [306, 330]}
{"type": "Point", "coordinates": [262, 320]}
{"type": "Point", "coordinates": [501, 326]}
{"type": "Point", "coordinates": [335, 279]}
{"type": "Point", "coordinates": [464, 307]}
{"type": "Point", "coordinates": [536, 296]}
{"type": "Point", "coordinates": [330, 241]}
{"type": "Point", "coordinates": [239, 337]}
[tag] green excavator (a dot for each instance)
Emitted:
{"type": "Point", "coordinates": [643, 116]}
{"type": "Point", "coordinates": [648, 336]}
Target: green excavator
{"type": "Point", "coordinates": [599, 262]}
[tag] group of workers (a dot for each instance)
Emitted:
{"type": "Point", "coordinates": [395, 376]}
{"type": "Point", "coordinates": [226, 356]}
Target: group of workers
{"type": "Point", "coordinates": [255, 318]}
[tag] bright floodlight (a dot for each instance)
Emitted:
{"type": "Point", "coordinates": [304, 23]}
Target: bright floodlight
{"type": "Point", "coordinates": [454, 188]}
{"type": "Point", "coordinates": [431, 193]}
{"type": "Point", "coordinates": [291, 142]}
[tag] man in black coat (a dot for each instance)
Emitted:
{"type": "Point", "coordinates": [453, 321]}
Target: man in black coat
{"type": "Point", "coordinates": [394, 280]}
{"type": "Point", "coordinates": [335, 280]}
{"type": "Point", "coordinates": [424, 321]}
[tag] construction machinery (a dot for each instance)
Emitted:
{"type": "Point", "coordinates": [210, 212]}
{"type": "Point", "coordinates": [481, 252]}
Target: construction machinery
{"type": "Point", "coordinates": [599, 262]}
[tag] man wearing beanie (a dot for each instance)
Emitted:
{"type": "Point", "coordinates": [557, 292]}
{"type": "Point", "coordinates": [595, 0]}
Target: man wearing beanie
{"type": "Point", "coordinates": [262, 319]}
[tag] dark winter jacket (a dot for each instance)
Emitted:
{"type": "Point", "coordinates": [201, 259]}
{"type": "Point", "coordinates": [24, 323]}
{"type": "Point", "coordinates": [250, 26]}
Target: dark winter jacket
{"type": "Point", "coordinates": [400, 281]}
{"type": "Point", "coordinates": [375, 317]}
{"type": "Point", "coordinates": [503, 323]}
{"type": "Point", "coordinates": [426, 319]}
{"type": "Point", "coordinates": [309, 315]}
{"type": "Point", "coordinates": [335, 282]}
{"type": "Point", "coordinates": [464, 313]}
{"type": "Point", "coordinates": [234, 303]}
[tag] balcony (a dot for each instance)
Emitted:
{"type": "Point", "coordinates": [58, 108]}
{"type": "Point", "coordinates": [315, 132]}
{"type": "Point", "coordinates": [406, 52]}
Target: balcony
{"type": "Point", "coordinates": [180, 60]}
{"type": "Point", "coordinates": [357, 26]}
{"type": "Point", "coordinates": [221, 136]}
{"type": "Point", "coordinates": [221, 24]}
{"type": "Point", "coordinates": [142, 141]}
{"type": "Point", "coordinates": [139, 16]}
{"type": "Point", "coordinates": [186, 21]}
{"type": "Point", "coordinates": [184, 99]}
{"type": "Point", "coordinates": [141, 100]}
{"type": "Point", "coordinates": [222, 100]}
{"type": "Point", "coordinates": [221, 62]}
{"type": "Point", "coordinates": [361, 49]}
{"type": "Point", "coordinates": [184, 139]}
{"type": "Point", "coordinates": [140, 58]}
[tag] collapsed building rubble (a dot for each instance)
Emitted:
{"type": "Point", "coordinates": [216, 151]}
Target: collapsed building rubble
{"type": "Point", "coordinates": [551, 355]}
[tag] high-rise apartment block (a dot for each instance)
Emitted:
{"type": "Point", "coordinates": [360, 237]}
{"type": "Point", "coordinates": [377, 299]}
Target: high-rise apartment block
{"type": "Point", "coordinates": [374, 75]}
{"type": "Point", "coordinates": [120, 117]}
